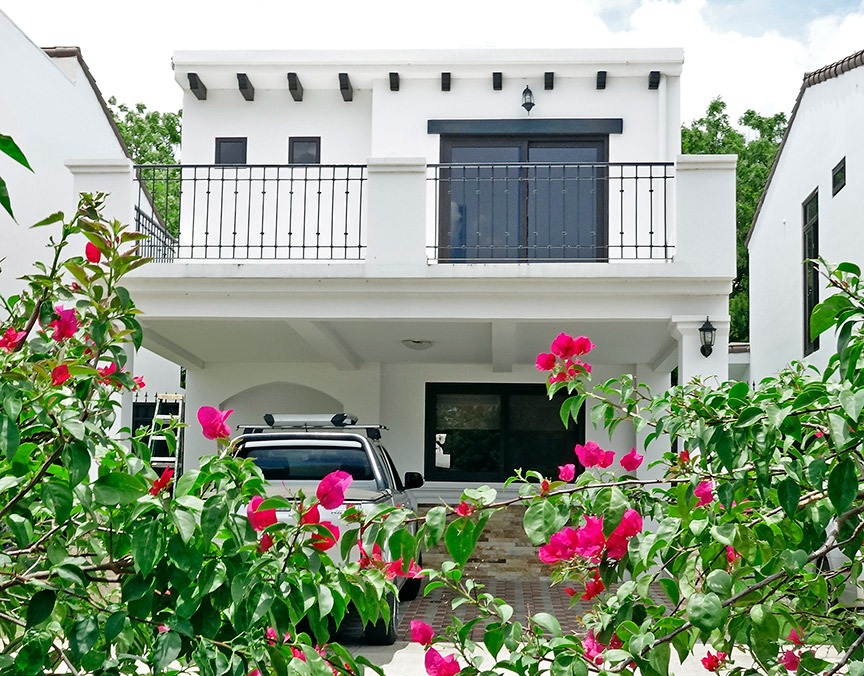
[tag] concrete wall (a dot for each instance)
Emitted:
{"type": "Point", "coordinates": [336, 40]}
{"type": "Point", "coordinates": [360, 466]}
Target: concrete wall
{"type": "Point", "coordinates": [827, 128]}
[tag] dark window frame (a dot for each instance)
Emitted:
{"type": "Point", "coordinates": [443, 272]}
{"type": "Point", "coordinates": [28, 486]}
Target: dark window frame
{"type": "Point", "coordinates": [525, 141]}
{"type": "Point", "coordinates": [293, 140]}
{"type": "Point", "coordinates": [810, 249]}
{"type": "Point", "coordinates": [838, 177]}
{"type": "Point", "coordinates": [220, 140]}
{"type": "Point", "coordinates": [504, 390]}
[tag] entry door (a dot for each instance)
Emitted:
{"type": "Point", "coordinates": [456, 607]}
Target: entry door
{"type": "Point", "coordinates": [517, 199]}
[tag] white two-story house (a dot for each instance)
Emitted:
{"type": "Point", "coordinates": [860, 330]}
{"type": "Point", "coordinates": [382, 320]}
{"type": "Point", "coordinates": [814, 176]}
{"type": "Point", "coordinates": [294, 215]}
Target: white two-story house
{"type": "Point", "coordinates": [399, 234]}
{"type": "Point", "coordinates": [811, 208]}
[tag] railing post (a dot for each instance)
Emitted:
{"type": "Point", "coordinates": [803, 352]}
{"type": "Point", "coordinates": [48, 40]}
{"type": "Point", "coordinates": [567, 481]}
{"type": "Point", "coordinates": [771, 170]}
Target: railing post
{"type": "Point", "coordinates": [396, 217]}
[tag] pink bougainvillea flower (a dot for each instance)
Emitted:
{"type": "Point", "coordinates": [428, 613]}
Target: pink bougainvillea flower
{"type": "Point", "coordinates": [607, 459]}
{"type": "Point", "coordinates": [367, 561]}
{"type": "Point", "coordinates": [544, 487]}
{"type": "Point", "coordinates": [795, 638]}
{"type": "Point", "coordinates": [705, 492]}
{"type": "Point", "coordinates": [331, 490]}
{"type": "Point", "coordinates": [10, 338]}
{"type": "Point", "coordinates": [567, 472]}
{"type": "Point", "coordinates": [581, 345]}
{"type": "Point", "coordinates": [561, 547]}
{"type": "Point", "coordinates": [819, 434]}
{"type": "Point", "coordinates": [732, 556]}
{"type": "Point", "coordinates": [465, 509]}
{"type": "Point", "coordinates": [570, 591]}
{"type": "Point", "coordinates": [65, 325]}
{"type": "Point", "coordinates": [563, 346]}
{"type": "Point", "coordinates": [91, 251]}
{"type": "Point", "coordinates": [163, 628]}
{"type": "Point", "coordinates": [324, 542]}
{"type": "Point", "coordinates": [162, 481]}
{"type": "Point", "coordinates": [311, 515]}
{"type": "Point", "coordinates": [590, 454]}
{"type": "Point", "coordinates": [106, 372]}
{"type": "Point", "coordinates": [257, 672]}
{"type": "Point", "coordinates": [713, 662]}
{"type": "Point", "coordinates": [790, 659]}
{"type": "Point", "coordinates": [259, 520]}
{"type": "Point", "coordinates": [684, 457]}
{"type": "Point", "coordinates": [632, 460]}
{"type": "Point", "coordinates": [421, 632]}
{"type": "Point", "coordinates": [590, 539]}
{"type": "Point", "coordinates": [592, 648]}
{"type": "Point", "coordinates": [264, 543]}
{"type": "Point", "coordinates": [631, 524]}
{"type": "Point", "coordinates": [212, 422]}
{"type": "Point", "coordinates": [438, 665]}
{"type": "Point", "coordinates": [545, 361]}
{"type": "Point", "coordinates": [139, 382]}
{"type": "Point", "coordinates": [59, 375]}
{"type": "Point", "coordinates": [593, 587]}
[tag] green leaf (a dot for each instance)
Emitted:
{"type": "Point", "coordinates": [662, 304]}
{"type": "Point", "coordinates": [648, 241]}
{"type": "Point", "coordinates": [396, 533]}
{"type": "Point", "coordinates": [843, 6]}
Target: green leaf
{"type": "Point", "coordinates": [119, 488]}
{"type": "Point", "coordinates": [852, 403]}
{"type": "Point", "coordinates": [56, 492]}
{"type": "Point", "coordinates": [40, 607]}
{"type": "Point", "coordinates": [460, 539]}
{"type": "Point", "coordinates": [213, 516]}
{"type": "Point", "coordinates": [148, 544]}
{"type": "Point", "coordinates": [10, 148]}
{"type": "Point", "coordinates": [725, 533]}
{"type": "Point", "coordinates": [749, 416]}
{"type": "Point", "coordinates": [719, 582]}
{"type": "Point", "coordinates": [76, 459]}
{"type": "Point", "coordinates": [843, 484]}
{"type": "Point", "coordinates": [168, 647]}
{"type": "Point", "coordinates": [436, 522]}
{"type": "Point", "coordinates": [5, 202]}
{"type": "Point", "coordinates": [670, 588]}
{"type": "Point", "coordinates": [114, 625]}
{"type": "Point", "coordinates": [543, 518]}
{"type": "Point", "coordinates": [658, 658]}
{"type": "Point", "coordinates": [83, 636]}
{"type": "Point", "coordinates": [705, 611]}
{"type": "Point", "coordinates": [722, 443]}
{"type": "Point", "coordinates": [185, 523]}
{"type": "Point", "coordinates": [548, 622]}
{"type": "Point", "coordinates": [53, 218]}
{"type": "Point", "coordinates": [793, 561]}
{"type": "Point", "coordinates": [493, 638]}
{"type": "Point", "coordinates": [789, 493]}
{"type": "Point", "coordinates": [10, 437]}
{"type": "Point", "coordinates": [824, 314]}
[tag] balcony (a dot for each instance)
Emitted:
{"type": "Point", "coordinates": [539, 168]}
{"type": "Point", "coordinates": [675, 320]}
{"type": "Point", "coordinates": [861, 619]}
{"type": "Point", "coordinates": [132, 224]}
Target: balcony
{"type": "Point", "coordinates": [474, 213]}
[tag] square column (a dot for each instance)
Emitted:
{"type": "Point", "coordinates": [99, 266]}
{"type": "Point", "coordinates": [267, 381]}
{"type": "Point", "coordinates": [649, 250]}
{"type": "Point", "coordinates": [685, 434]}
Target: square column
{"type": "Point", "coordinates": [691, 362]}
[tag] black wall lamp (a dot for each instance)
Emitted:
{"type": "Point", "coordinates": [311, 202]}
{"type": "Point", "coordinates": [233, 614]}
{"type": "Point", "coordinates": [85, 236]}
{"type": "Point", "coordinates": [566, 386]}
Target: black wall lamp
{"type": "Point", "coordinates": [707, 334]}
{"type": "Point", "coordinates": [527, 99]}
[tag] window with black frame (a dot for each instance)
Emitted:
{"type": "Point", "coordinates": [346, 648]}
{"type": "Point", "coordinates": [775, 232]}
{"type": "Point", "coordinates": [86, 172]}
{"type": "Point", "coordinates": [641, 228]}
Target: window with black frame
{"type": "Point", "coordinates": [811, 270]}
{"type": "Point", "coordinates": [519, 198]}
{"type": "Point", "coordinates": [482, 432]}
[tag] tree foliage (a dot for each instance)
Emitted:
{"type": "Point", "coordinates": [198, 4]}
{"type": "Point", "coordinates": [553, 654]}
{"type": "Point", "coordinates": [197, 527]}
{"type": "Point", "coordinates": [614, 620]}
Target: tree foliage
{"type": "Point", "coordinates": [153, 138]}
{"type": "Point", "coordinates": [107, 568]}
{"type": "Point", "coordinates": [756, 149]}
{"type": "Point", "coordinates": [748, 538]}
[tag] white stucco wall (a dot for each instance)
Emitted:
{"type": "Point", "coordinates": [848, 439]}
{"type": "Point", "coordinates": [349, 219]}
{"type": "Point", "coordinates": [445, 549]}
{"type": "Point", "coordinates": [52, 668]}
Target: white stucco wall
{"type": "Point", "coordinates": [826, 128]}
{"type": "Point", "coordinates": [49, 108]}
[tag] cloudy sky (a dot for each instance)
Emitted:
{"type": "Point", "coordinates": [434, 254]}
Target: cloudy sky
{"type": "Point", "coordinates": [753, 53]}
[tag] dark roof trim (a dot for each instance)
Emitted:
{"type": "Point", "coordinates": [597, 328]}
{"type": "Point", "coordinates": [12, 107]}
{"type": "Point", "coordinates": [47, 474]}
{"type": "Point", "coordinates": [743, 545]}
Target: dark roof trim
{"type": "Point", "coordinates": [828, 72]}
{"type": "Point", "coordinates": [549, 127]}
{"type": "Point", "coordinates": [68, 52]}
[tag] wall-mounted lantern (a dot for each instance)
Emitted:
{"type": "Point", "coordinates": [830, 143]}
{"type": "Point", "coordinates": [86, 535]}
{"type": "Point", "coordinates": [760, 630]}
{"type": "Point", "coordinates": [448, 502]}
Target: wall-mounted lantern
{"type": "Point", "coordinates": [527, 99]}
{"type": "Point", "coordinates": [707, 334]}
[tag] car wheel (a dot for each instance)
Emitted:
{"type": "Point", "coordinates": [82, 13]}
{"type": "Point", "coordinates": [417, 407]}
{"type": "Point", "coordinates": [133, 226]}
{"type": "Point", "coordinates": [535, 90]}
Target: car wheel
{"type": "Point", "coordinates": [382, 632]}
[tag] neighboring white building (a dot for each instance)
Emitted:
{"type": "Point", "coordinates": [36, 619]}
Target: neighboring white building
{"type": "Point", "coordinates": [811, 207]}
{"type": "Point", "coordinates": [392, 234]}
{"type": "Point", "coordinates": [50, 105]}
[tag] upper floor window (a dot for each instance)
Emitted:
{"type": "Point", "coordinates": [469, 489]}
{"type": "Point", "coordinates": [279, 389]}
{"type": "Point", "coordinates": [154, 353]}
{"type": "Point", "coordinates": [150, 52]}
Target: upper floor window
{"type": "Point", "coordinates": [483, 432]}
{"type": "Point", "coordinates": [304, 150]}
{"type": "Point", "coordinates": [231, 150]}
{"type": "Point", "coordinates": [530, 197]}
{"type": "Point", "coordinates": [838, 177]}
{"type": "Point", "coordinates": [811, 271]}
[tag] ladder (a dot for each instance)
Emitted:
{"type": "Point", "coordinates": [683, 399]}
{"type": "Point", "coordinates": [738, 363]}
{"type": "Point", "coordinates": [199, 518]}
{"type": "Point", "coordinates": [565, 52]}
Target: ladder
{"type": "Point", "coordinates": [170, 409]}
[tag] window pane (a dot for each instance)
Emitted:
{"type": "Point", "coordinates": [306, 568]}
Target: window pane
{"type": "Point", "coordinates": [305, 151]}
{"type": "Point", "coordinates": [536, 439]}
{"type": "Point", "coordinates": [230, 151]}
{"type": "Point", "coordinates": [467, 432]}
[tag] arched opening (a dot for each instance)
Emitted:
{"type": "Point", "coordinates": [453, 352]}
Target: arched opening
{"type": "Point", "coordinates": [251, 404]}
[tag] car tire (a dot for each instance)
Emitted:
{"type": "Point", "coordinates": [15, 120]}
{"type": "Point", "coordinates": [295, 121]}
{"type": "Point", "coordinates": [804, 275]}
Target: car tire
{"type": "Point", "coordinates": [412, 586]}
{"type": "Point", "coordinates": [382, 632]}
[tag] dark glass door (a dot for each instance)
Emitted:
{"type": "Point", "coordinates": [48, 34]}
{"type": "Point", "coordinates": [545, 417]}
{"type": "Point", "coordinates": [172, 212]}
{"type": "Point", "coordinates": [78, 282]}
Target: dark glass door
{"type": "Point", "coordinates": [505, 198]}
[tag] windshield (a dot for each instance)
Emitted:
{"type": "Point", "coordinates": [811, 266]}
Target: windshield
{"type": "Point", "coordinates": [283, 461]}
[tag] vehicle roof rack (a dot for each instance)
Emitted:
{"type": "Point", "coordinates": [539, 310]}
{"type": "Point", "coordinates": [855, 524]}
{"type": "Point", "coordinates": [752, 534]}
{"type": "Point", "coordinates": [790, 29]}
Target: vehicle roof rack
{"type": "Point", "coordinates": [314, 421]}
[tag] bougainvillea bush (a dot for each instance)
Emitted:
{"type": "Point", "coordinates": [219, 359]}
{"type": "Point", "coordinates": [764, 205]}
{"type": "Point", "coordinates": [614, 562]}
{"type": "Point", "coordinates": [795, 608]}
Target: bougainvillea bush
{"type": "Point", "coordinates": [107, 567]}
{"type": "Point", "coordinates": [749, 541]}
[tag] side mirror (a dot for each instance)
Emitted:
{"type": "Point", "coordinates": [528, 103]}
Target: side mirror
{"type": "Point", "coordinates": [413, 480]}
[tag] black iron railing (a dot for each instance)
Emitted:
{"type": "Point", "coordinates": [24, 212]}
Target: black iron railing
{"type": "Point", "coordinates": [552, 212]}
{"type": "Point", "coordinates": [160, 244]}
{"type": "Point", "coordinates": [311, 212]}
